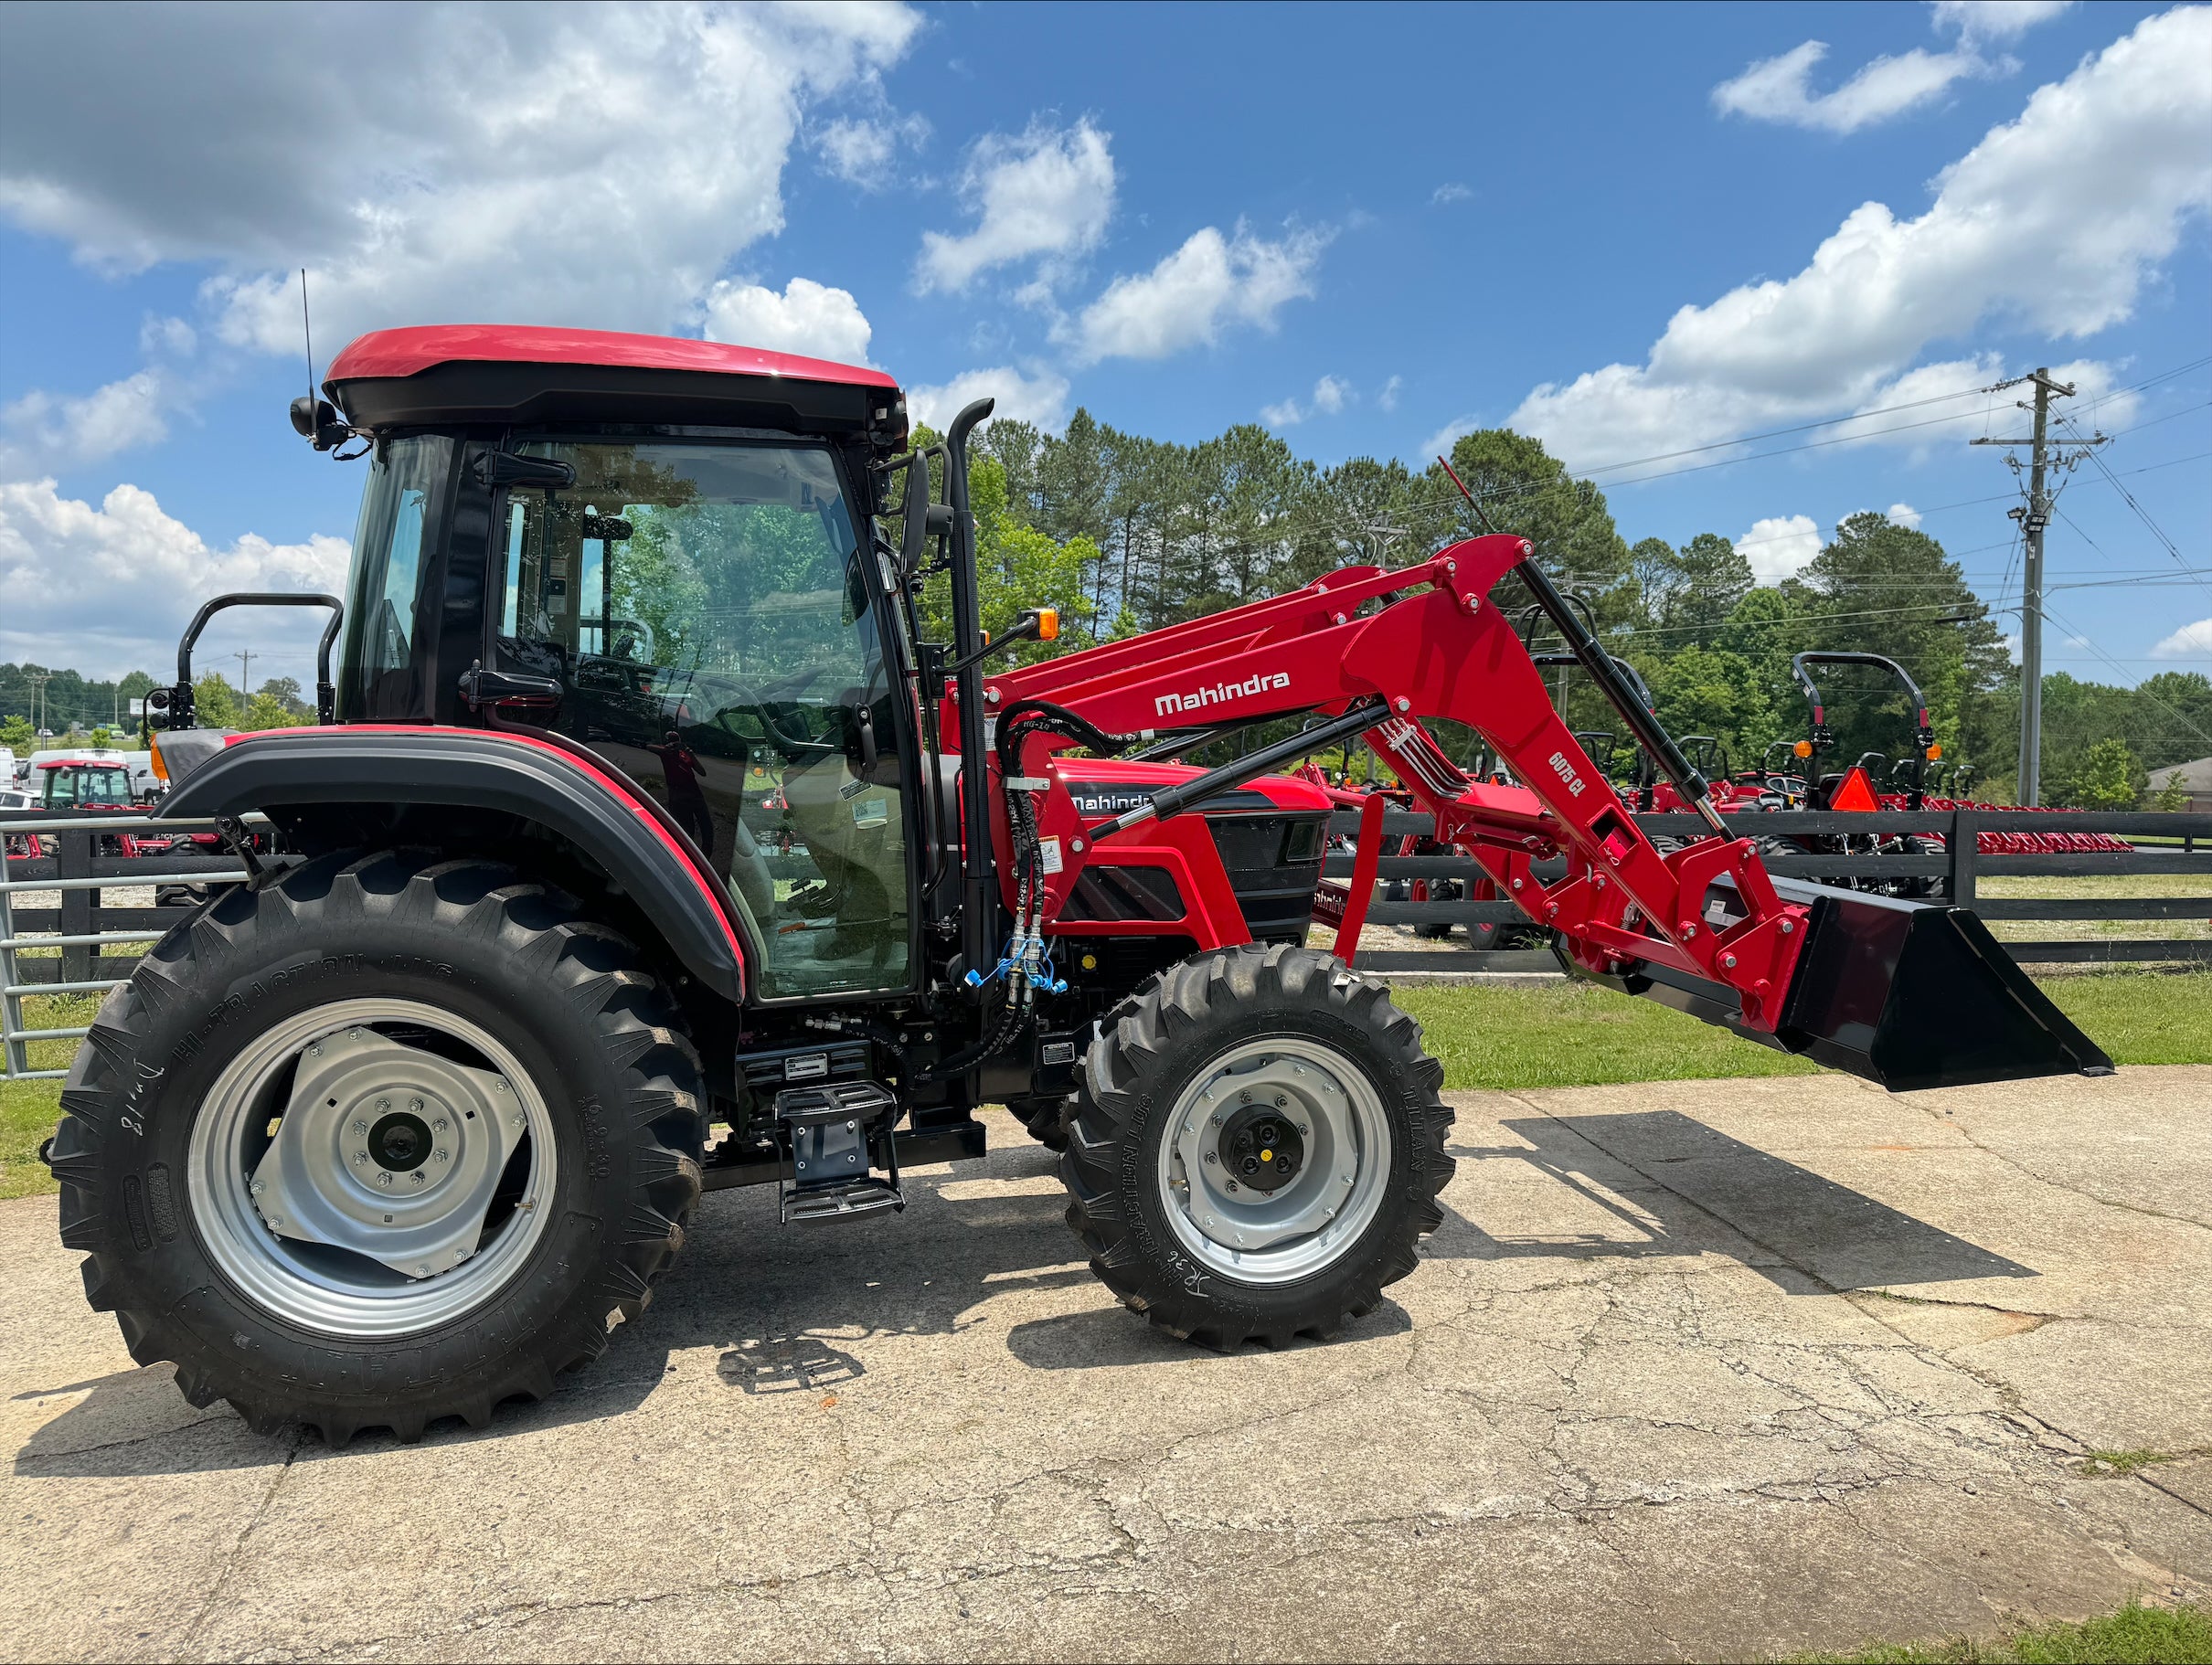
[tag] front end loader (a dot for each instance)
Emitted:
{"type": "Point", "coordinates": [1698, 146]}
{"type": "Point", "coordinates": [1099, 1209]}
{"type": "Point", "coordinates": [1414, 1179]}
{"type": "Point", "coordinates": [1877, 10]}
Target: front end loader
{"type": "Point", "coordinates": [648, 845]}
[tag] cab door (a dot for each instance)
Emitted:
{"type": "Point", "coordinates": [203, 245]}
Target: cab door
{"type": "Point", "coordinates": [708, 612]}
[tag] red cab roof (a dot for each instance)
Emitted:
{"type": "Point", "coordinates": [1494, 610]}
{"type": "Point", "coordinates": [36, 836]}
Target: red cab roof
{"type": "Point", "coordinates": [408, 352]}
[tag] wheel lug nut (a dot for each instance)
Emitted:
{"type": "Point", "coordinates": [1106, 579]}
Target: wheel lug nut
{"type": "Point", "coordinates": [384, 1104]}
{"type": "Point", "coordinates": [384, 1179]}
{"type": "Point", "coordinates": [418, 1176]}
{"type": "Point", "coordinates": [257, 1188]}
{"type": "Point", "coordinates": [360, 1126]}
{"type": "Point", "coordinates": [1280, 1101]}
{"type": "Point", "coordinates": [360, 1159]}
{"type": "Point", "coordinates": [443, 1155]}
{"type": "Point", "coordinates": [1211, 1159]}
{"type": "Point", "coordinates": [441, 1125]}
{"type": "Point", "coordinates": [414, 1104]}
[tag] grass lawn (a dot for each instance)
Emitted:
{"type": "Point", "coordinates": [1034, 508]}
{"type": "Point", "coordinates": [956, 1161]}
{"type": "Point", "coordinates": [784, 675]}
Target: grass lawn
{"type": "Point", "coordinates": [2098, 886]}
{"type": "Point", "coordinates": [2136, 1634]}
{"type": "Point", "coordinates": [1560, 1035]}
{"type": "Point", "coordinates": [1576, 1035]}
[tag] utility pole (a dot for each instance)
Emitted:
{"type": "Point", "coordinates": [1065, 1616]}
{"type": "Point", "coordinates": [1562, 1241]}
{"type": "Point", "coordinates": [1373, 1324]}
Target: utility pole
{"type": "Point", "coordinates": [38, 680]}
{"type": "Point", "coordinates": [2034, 517]}
{"type": "Point", "coordinates": [245, 656]}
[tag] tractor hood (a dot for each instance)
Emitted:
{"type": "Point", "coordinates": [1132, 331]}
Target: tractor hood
{"type": "Point", "coordinates": [1110, 786]}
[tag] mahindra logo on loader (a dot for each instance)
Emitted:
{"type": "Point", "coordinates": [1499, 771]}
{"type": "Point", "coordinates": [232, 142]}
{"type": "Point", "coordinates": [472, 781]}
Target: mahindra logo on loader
{"type": "Point", "coordinates": [1565, 771]}
{"type": "Point", "coordinates": [1265, 682]}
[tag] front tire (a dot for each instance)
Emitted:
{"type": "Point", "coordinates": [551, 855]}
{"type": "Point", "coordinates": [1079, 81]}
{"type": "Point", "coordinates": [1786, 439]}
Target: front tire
{"type": "Point", "coordinates": [387, 1141]}
{"type": "Point", "coordinates": [1256, 1146]}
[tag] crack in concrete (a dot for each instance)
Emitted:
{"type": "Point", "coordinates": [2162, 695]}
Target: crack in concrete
{"type": "Point", "coordinates": [2021, 1168]}
{"type": "Point", "coordinates": [238, 1549]}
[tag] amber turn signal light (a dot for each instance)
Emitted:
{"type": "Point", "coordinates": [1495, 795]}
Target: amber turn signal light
{"type": "Point", "coordinates": [161, 768]}
{"type": "Point", "coordinates": [1934, 752]}
{"type": "Point", "coordinates": [1803, 749]}
{"type": "Point", "coordinates": [1047, 624]}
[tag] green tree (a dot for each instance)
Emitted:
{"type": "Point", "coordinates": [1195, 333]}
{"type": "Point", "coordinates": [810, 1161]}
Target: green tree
{"type": "Point", "coordinates": [17, 735]}
{"type": "Point", "coordinates": [2107, 778]}
{"type": "Point", "coordinates": [2172, 796]}
{"type": "Point", "coordinates": [265, 710]}
{"type": "Point", "coordinates": [285, 691]}
{"type": "Point", "coordinates": [215, 703]}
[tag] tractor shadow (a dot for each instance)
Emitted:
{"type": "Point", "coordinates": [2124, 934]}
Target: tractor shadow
{"type": "Point", "coordinates": [1655, 1182]}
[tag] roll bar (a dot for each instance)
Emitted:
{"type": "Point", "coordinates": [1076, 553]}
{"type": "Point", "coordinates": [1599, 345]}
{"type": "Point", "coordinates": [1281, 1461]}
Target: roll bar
{"type": "Point", "coordinates": [176, 703]}
{"type": "Point", "coordinates": [1823, 737]}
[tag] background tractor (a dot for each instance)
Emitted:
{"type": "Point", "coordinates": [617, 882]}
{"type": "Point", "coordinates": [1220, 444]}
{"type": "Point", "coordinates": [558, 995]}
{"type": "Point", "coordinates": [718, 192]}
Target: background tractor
{"type": "Point", "coordinates": [646, 844]}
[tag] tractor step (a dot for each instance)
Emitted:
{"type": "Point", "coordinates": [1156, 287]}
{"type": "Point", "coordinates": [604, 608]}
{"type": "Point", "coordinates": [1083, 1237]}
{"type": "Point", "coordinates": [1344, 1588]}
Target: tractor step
{"type": "Point", "coordinates": [835, 1135]}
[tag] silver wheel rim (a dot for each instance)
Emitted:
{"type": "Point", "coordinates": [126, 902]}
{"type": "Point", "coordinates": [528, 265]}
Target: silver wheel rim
{"type": "Point", "coordinates": [302, 1203]}
{"type": "Point", "coordinates": [1321, 1211]}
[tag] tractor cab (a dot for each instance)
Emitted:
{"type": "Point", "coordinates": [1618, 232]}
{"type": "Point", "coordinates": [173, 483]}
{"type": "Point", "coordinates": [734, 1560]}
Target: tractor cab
{"type": "Point", "coordinates": [662, 551]}
{"type": "Point", "coordinates": [71, 784]}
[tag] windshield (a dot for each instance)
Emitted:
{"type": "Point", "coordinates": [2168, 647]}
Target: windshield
{"type": "Point", "coordinates": [706, 610]}
{"type": "Point", "coordinates": [69, 787]}
{"type": "Point", "coordinates": [381, 674]}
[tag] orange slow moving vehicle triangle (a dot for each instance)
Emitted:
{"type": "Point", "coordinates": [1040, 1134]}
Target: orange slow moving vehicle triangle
{"type": "Point", "coordinates": [1856, 793]}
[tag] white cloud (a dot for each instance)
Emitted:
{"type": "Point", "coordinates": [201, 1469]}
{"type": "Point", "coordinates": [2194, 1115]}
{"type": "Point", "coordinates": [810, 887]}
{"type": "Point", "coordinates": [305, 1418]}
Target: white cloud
{"type": "Point", "coordinates": [1439, 443]}
{"type": "Point", "coordinates": [1904, 516]}
{"type": "Point", "coordinates": [1977, 21]}
{"type": "Point", "coordinates": [40, 431]}
{"type": "Point", "coordinates": [862, 152]}
{"type": "Point", "coordinates": [1185, 300]}
{"type": "Point", "coordinates": [1387, 397]}
{"type": "Point", "coordinates": [1452, 192]}
{"type": "Point", "coordinates": [1045, 193]}
{"type": "Point", "coordinates": [117, 583]}
{"type": "Point", "coordinates": [2190, 641]}
{"type": "Point", "coordinates": [2026, 226]}
{"type": "Point", "coordinates": [1330, 395]}
{"type": "Point", "coordinates": [1779, 88]}
{"type": "Point", "coordinates": [1779, 547]}
{"type": "Point", "coordinates": [807, 317]}
{"type": "Point", "coordinates": [171, 338]}
{"type": "Point", "coordinates": [1039, 396]}
{"type": "Point", "coordinates": [601, 166]}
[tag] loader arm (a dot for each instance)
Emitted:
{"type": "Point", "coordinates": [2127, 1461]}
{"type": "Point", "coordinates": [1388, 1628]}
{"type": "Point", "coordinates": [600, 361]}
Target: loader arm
{"type": "Point", "coordinates": [1438, 648]}
{"type": "Point", "coordinates": [1907, 994]}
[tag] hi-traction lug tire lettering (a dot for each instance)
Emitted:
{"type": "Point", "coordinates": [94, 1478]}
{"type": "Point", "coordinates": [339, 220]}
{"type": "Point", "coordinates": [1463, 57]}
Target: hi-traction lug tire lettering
{"type": "Point", "coordinates": [1151, 1046]}
{"type": "Point", "coordinates": [622, 1084]}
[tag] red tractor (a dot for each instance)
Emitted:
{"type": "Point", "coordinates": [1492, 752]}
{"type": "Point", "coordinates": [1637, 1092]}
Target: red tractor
{"type": "Point", "coordinates": [393, 1132]}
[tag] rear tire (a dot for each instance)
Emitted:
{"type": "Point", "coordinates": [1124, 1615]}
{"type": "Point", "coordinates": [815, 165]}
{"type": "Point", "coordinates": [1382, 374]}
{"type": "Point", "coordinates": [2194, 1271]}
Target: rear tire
{"type": "Point", "coordinates": [1044, 1118]}
{"type": "Point", "coordinates": [1313, 1063]}
{"type": "Point", "coordinates": [429, 971]}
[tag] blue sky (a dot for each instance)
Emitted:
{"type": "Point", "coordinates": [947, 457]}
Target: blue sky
{"type": "Point", "coordinates": [1634, 231]}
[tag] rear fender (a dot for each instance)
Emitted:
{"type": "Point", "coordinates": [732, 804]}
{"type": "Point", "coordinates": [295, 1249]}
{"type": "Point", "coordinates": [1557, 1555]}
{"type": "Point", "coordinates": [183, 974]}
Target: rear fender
{"type": "Point", "coordinates": [579, 797]}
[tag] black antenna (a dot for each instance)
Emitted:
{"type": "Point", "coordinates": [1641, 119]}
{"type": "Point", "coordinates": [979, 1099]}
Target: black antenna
{"type": "Point", "coordinates": [1440, 462]}
{"type": "Point", "coordinates": [307, 336]}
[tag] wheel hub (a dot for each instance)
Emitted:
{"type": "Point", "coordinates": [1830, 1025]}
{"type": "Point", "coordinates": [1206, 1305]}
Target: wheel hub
{"type": "Point", "coordinates": [1261, 1148]}
{"type": "Point", "coordinates": [1274, 1159]}
{"type": "Point", "coordinates": [389, 1150]}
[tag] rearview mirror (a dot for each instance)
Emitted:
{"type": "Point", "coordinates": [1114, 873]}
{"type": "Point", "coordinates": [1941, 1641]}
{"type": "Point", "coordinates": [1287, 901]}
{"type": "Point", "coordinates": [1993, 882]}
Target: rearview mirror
{"type": "Point", "coordinates": [497, 468]}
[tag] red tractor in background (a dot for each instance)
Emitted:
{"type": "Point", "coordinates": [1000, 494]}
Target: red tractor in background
{"type": "Point", "coordinates": [393, 1132]}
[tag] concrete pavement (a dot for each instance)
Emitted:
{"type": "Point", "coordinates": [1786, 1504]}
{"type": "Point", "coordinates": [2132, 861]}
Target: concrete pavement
{"type": "Point", "coordinates": [1700, 1370]}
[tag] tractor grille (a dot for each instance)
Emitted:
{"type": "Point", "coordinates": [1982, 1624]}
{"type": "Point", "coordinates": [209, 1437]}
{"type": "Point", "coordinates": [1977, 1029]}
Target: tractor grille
{"type": "Point", "coordinates": [1273, 863]}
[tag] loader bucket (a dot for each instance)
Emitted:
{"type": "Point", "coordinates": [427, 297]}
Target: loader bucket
{"type": "Point", "coordinates": [1906, 994]}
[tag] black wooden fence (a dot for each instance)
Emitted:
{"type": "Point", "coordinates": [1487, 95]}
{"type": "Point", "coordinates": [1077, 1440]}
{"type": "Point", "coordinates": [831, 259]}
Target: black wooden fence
{"type": "Point", "coordinates": [98, 943]}
{"type": "Point", "coordinates": [1952, 872]}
